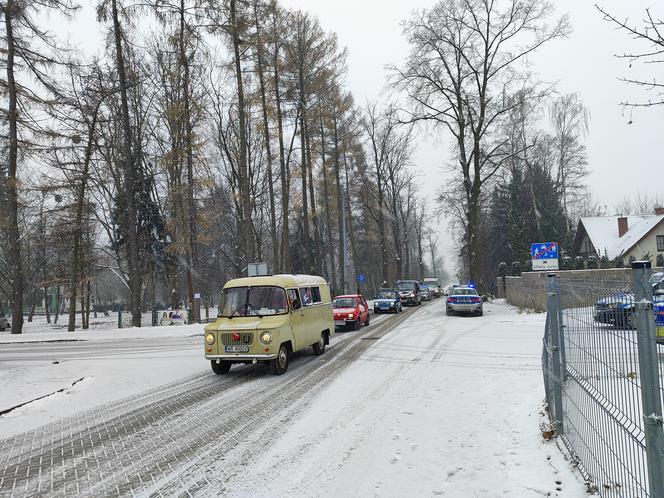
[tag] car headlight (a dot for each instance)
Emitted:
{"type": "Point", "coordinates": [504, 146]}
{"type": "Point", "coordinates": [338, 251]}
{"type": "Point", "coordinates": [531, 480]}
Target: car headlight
{"type": "Point", "coordinates": [209, 338]}
{"type": "Point", "coordinates": [350, 316]}
{"type": "Point", "coordinates": [266, 338]}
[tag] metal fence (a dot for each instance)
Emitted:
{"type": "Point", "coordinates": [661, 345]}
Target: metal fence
{"type": "Point", "coordinates": [603, 377]}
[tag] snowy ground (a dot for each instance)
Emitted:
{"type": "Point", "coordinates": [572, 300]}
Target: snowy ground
{"type": "Point", "coordinates": [438, 406]}
{"type": "Point", "coordinates": [101, 322]}
{"type": "Point", "coordinates": [445, 406]}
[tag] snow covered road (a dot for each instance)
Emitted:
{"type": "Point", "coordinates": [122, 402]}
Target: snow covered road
{"type": "Point", "coordinates": [418, 404]}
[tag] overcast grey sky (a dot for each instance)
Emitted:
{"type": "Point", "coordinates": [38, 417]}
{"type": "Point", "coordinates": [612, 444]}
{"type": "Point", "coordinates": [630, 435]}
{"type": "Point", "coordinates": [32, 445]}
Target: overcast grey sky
{"type": "Point", "coordinates": [623, 157]}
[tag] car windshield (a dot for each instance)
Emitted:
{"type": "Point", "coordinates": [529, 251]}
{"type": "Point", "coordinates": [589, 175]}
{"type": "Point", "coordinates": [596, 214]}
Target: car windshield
{"type": "Point", "coordinates": [465, 292]}
{"type": "Point", "coordinates": [344, 302]}
{"type": "Point", "coordinates": [387, 295]}
{"type": "Point", "coordinates": [406, 286]}
{"type": "Point", "coordinates": [253, 301]}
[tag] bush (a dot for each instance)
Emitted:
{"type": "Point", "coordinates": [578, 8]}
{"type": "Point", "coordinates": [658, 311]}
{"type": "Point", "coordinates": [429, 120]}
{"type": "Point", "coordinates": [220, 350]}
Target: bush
{"type": "Point", "coordinates": [592, 263]}
{"type": "Point", "coordinates": [502, 269]}
{"type": "Point", "coordinates": [516, 268]}
{"type": "Point", "coordinates": [578, 263]}
{"type": "Point", "coordinates": [618, 262]}
{"type": "Point", "coordinates": [604, 262]}
{"type": "Point", "coordinates": [567, 263]}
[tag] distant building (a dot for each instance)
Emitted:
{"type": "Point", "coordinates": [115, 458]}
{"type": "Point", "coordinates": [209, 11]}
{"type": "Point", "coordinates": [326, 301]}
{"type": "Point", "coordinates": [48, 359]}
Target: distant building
{"type": "Point", "coordinates": [624, 236]}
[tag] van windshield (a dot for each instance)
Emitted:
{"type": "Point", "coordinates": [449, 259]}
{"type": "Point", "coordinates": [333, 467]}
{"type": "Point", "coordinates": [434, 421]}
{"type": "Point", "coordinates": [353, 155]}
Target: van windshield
{"type": "Point", "coordinates": [253, 301]}
{"type": "Point", "coordinates": [404, 286]}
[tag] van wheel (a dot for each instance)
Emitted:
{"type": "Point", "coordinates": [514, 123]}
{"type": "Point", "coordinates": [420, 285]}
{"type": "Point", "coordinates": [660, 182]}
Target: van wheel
{"type": "Point", "coordinates": [319, 347]}
{"type": "Point", "coordinates": [279, 365]}
{"type": "Point", "coordinates": [221, 368]}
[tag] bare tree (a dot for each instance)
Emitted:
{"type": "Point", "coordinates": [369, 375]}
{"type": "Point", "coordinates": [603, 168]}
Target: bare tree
{"type": "Point", "coordinates": [650, 33]}
{"type": "Point", "coordinates": [466, 57]}
{"type": "Point", "coordinates": [23, 60]}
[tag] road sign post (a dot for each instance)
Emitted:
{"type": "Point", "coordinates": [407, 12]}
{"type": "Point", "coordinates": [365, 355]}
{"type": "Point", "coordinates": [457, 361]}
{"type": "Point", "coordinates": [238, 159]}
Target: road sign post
{"type": "Point", "coordinates": [544, 255]}
{"type": "Point", "coordinates": [361, 278]}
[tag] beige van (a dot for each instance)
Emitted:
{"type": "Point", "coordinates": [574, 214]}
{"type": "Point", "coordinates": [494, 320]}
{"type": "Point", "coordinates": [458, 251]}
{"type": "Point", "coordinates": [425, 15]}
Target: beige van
{"type": "Point", "coordinates": [267, 318]}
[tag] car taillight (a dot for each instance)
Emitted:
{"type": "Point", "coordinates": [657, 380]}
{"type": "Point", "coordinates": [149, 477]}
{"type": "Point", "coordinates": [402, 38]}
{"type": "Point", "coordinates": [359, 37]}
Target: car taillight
{"type": "Point", "coordinates": [477, 299]}
{"type": "Point", "coordinates": [451, 300]}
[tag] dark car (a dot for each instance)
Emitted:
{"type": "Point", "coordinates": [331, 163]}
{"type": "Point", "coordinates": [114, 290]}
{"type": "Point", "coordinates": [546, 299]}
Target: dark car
{"type": "Point", "coordinates": [387, 301]}
{"type": "Point", "coordinates": [618, 309]}
{"type": "Point", "coordinates": [426, 293]}
{"type": "Point", "coordinates": [4, 324]}
{"type": "Point", "coordinates": [409, 291]}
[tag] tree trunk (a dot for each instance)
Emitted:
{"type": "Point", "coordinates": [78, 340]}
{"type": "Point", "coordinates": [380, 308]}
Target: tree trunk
{"type": "Point", "coordinates": [245, 190]}
{"type": "Point", "coordinates": [46, 306]}
{"type": "Point", "coordinates": [13, 235]}
{"type": "Point", "coordinates": [133, 258]}
{"type": "Point", "coordinates": [340, 208]}
{"type": "Point", "coordinates": [351, 232]}
{"type": "Point", "coordinates": [328, 221]}
{"type": "Point", "coordinates": [80, 202]}
{"type": "Point", "coordinates": [192, 267]}
{"type": "Point", "coordinates": [306, 245]}
{"type": "Point", "coordinates": [316, 266]}
{"type": "Point", "coordinates": [284, 257]}
{"type": "Point", "coordinates": [268, 148]}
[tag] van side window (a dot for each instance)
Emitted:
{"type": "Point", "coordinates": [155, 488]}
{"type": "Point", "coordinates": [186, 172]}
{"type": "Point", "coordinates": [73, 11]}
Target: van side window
{"type": "Point", "coordinates": [307, 300]}
{"type": "Point", "coordinates": [315, 295]}
{"type": "Point", "coordinates": [294, 299]}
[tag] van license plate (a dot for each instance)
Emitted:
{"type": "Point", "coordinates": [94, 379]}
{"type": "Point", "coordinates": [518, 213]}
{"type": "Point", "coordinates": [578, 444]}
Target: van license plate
{"type": "Point", "coordinates": [237, 349]}
{"type": "Point", "coordinates": [339, 322]}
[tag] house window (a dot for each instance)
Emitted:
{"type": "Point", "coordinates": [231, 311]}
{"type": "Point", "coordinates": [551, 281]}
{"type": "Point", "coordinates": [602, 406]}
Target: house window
{"type": "Point", "coordinates": [660, 243]}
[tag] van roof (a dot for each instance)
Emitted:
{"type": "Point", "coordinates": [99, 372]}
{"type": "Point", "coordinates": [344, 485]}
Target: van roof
{"type": "Point", "coordinates": [278, 280]}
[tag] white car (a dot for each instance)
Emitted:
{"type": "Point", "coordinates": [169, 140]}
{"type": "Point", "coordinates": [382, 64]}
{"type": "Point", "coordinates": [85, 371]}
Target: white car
{"type": "Point", "coordinates": [464, 300]}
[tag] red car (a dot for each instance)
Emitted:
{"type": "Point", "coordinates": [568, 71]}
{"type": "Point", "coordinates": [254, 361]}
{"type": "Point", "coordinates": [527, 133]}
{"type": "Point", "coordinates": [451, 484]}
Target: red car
{"type": "Point", "coordinates": [350, 311]}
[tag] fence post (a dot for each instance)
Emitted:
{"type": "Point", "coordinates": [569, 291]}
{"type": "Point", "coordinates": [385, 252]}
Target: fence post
{"type": "Point", "coordinates": [552, 311]}
{"type": "Point", "coordinates": [651, 396]}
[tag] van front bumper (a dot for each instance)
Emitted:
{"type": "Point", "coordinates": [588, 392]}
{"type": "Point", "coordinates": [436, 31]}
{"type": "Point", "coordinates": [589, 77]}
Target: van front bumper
{"type": "Point", "coordinates": [240, 356]}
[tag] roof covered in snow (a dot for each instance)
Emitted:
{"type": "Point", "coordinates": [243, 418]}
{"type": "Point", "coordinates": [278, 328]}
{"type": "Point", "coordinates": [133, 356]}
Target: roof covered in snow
{"type": "Point", "coordinates": [603, 232]}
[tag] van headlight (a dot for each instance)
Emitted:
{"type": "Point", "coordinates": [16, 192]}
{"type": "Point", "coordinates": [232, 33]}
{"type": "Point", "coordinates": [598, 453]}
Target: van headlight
{"type": "Point", "coordinates": [350, 316]}
{"type": "Point", "coordinates": [209, 338]}
{"type": "Point", "coordinates": [266, 338]}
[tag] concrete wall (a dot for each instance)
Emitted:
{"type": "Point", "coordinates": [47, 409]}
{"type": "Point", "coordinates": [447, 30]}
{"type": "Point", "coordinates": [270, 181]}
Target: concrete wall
{"type": "Point", "coordinates": [581, 287]}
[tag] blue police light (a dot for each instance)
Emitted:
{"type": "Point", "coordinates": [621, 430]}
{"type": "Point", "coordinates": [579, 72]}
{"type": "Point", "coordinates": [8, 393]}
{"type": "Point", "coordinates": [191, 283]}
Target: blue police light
{"type": "Point", "coordinates": [471, 285]}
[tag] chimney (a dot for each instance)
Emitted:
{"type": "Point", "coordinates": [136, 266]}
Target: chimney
{"type": "Point", "coordinates": [622, 226]}
{"type": "Point", "coordinates": [659, 211]}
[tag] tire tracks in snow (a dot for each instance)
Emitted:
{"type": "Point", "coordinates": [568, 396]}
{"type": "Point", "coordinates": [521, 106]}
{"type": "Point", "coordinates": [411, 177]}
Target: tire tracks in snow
{"type": "Point", "coordinates": [156, 442]}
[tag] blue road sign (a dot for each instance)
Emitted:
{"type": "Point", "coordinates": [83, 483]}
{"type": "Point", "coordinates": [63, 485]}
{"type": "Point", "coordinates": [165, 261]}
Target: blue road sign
{"type": "Point", "coordinates": [361, 277]}
{"type": "Point", "coordinates": [544, 250]}
{"type": "Point", "coordinates": [545, 255]}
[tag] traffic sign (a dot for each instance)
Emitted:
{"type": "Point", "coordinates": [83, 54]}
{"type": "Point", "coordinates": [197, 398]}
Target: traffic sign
{"type": "Point", "coordinates": [361, 277]}
{"type": "Point", "coordinates": [545, 255]}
